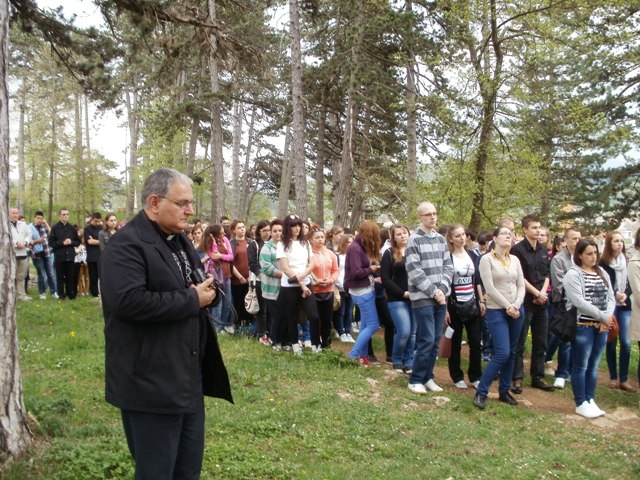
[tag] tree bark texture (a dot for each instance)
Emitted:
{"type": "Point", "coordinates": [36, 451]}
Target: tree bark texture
{"type": "Point", "coordinates": [247, 176]}
{"type": "Point", "coordinates": [297, 127]}
{"type": "Point", "coordinates": [342, 199]}
{"type": "Point", "coordinates": [15, 436]}
{"type": "Point", "coordinates": [217, 157]}
{"type": "Point", "coordinates": [285, 176]}
{"type": "Point", "coordinates": [235, 159]}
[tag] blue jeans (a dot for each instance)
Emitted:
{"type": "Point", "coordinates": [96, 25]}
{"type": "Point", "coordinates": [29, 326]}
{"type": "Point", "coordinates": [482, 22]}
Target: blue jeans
{"type": "Point", "coordinates": [429, 324]}
{"type": "Point", "coordinates": [563, 348]}
{"type": "Point", "coordinates": [505, 332]}
{"type": "Point", "coordinates": [586, 353]}
{"type": "Point", "coordinates": [405, 339]}
{"type": "Point", "coordinates": [46, 274]}
{"type": "Point", "coordinates": [221, 313]}
{"type": "Point", "coordinates": [343, 317]}
{"type": "Point", "coordinates": [368, 323]}
{"type": "Point", "coordinates": [624, 318]}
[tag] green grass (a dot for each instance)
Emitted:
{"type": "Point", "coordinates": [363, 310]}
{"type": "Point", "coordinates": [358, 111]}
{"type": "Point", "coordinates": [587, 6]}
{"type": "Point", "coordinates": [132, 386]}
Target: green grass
{"type": "Point", "coordinates": [315, 417]}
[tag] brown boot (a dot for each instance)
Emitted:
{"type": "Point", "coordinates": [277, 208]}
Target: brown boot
{"type": "Point", "coordinates": [626, 386]}
{"type": "Point", "coordinates": [614, 384]}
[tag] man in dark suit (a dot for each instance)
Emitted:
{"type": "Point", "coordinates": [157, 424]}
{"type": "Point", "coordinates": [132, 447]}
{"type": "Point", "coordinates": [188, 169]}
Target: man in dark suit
{"type": "Point", "coordinates": [92, 241]}
{"type": "Point", "coordinates": [162, 354]}
{"type": "Point", "coordinates": [63, 240]}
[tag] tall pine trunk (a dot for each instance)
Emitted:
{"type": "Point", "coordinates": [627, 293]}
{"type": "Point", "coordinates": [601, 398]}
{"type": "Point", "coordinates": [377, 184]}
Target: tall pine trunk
{"type": "Point", "coordinates": [15, 436]}
{"type": "Point", "coordinates": [285, 176]}
{"type": "Point", "coordinates": [247, 177]}
{"type": "Point", "coordinates": [21, 168]}
{"type": "Point", "coordinates": [297, 127]}
{"type": "Point", "coordinates": [131, 102]}
{"type": "Point", "coordinates": [412, 150]}
{"type": "Point", "coordinates": [217, 157]}
{"type": "Point", "coordinates": [235, 159]}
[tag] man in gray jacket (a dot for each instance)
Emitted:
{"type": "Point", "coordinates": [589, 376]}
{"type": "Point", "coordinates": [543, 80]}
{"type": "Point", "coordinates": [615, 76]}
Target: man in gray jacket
{"type": "Point", "coordinates": [430, 271]}
{"type": "Point", "coordinates": [560, 264]}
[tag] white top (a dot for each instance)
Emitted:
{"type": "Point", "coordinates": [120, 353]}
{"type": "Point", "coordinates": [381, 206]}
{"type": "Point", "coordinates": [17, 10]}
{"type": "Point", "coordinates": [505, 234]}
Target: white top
{"type": "Point", "coordinates": [298, 257]}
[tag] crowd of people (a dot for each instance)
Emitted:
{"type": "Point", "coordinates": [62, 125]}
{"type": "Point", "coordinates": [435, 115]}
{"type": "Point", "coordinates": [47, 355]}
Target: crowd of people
{"type": "Point", "coordinates": [314, 287]}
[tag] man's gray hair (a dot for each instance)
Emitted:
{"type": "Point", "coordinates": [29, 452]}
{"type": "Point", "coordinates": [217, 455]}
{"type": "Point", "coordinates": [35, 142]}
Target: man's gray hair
{"type": "Point", "coordinates": [160, 181]}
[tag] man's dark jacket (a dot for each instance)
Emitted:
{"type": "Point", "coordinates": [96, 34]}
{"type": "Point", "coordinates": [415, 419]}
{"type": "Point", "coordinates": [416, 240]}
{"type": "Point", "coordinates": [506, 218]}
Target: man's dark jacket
{"type": "Point", "coordinates": [153, 327]}
{"type": "Point", "coordinates": [59, 233]}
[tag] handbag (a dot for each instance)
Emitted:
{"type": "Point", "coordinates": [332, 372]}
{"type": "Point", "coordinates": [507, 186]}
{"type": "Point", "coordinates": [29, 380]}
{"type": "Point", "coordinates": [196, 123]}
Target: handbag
{"type": "Point", "coordinates": [444, 347]}
{"type": "Point", "coordinates": [563, 322]}
{"type": "Point", "coordinates": [468, 310]}
{"type": "Point", "coordinates": [251, 304]}
{"type": "Point", "coordinates": [614, 331]}
{"type": "Point", "coordinates": [336, 299]}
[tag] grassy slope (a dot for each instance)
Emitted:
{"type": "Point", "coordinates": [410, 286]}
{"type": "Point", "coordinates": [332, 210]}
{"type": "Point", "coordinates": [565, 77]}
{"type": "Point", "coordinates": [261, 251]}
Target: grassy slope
{"type": "Point", "coordinates": [315, 417]}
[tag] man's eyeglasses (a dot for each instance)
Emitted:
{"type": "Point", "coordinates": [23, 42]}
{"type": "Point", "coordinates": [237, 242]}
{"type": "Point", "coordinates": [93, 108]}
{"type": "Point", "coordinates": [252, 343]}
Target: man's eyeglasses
{"type": "Point", "coordinates": [182, 205]}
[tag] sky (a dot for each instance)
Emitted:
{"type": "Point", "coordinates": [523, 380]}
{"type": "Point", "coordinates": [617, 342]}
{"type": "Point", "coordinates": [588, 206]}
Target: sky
{"type": "Point", "coordinates": [108, 133]}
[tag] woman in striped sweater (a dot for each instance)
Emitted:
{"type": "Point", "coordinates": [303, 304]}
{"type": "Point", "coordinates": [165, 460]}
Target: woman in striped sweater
{"type": "Point", "coordinates": [464, 309]}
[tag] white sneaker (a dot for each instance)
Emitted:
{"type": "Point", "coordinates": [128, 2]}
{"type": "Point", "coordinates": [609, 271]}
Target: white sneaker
{"type": "Point", "coordinates": [343, 338]}
{"type": "Point", "coordinates": [587, 411]}
{"type": "Point", "coordinates": [475, 384]}
{"type": "Point", "coordinates": [417, 388]}
{"type": "Point", "coordinates": [336, 334]}
{"type": "Point", "coordinates": [297, 349]}
{"type": "Point", "coordinates": [349, 338]}
{"type": "Point", "coordinates": [316, 349]}
{"type": "Point", "coordinates": [559, 383]}
{"type": "Point", "coordinates": [229, 329]}
{"type": "Point", "coordinates": [43, 296]}
{"type": "Point", "coordinates": [277, 347]}
{"type": "Point", "coordinates": [433, 386]}
{"type": "Point", "coordinates": [596, 407]}
{"type": "Point", "coordinates": [307, 344]}
{"type": "Point", "coordinates": [355, 328]}
{"type": "Point", "coordinates": [459, 384]}
{"type": "Point", "coordinates": [55, 295]}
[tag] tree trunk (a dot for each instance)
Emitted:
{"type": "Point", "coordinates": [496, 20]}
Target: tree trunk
{"type": "Point", "coordinates": [285, 176]}
{"type": "Point", "coordinates": [81, 174]}
{"type": "Point", "coordinates": [342, 198]}
{"type": "Point", "coordinates": [131, 102]}
{"type": "Point", "coordinates": [412, 151]}
{"type": "Point", "coordinates": [15, 436]}
{"type": "Point", "coordinates": [52, 161]}
{"type": "Point", "coordinates": [90, 165]}
{"type": "Point", "coordinates": [357, 212]}
{"type": "Point", "coordinates": [235, 159]}
{"type": "Point", "coordinates": [21, 169]}
{"type": "Point", "coordinates": [246, 171]}
{"type": "Point", "coordinates": [217, 157]}
{"type": "Point", "coordinates": [321, 159]}
{"type": "Point", "coordinates": [488, 79]}
{"type": "Point", "coordinates": [297, 127]}
{"type": "Point", "coordinates": [195, 128]}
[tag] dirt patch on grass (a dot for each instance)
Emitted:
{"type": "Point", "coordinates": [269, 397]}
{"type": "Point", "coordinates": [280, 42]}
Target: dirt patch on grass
{"type": "Point", "coordinates": [617, 418]}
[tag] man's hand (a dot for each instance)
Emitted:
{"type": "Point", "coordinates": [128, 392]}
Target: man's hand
{"type": "Point", "coordinates": [206, 292]}
{"type": "Point", "coordinates": [439, 297]}
{"type": "Point", "coordinates": [67, 241]}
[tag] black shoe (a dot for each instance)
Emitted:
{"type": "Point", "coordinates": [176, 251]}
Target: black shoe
{"type": "Point", "coordinates": [479, 400]}
{"type": "Point", "coordinates": [517, 387]}
{"type": "Point", "coordinates": [542, 385]}
{"type": "Point", "coordinates": [507, 398]}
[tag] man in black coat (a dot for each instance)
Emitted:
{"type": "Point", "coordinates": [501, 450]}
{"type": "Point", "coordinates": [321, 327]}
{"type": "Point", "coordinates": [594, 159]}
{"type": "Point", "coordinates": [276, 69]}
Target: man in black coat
{"type": "Point", "coordinates": [63, 240]}
{"type": "Point", "coordinates": [162, 354]}
{"type": "Point", "coordinates": [92, 242]}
